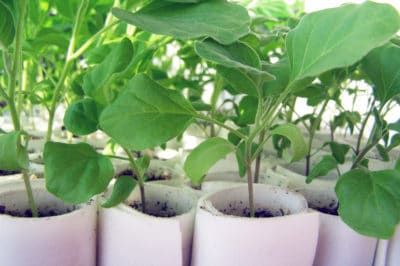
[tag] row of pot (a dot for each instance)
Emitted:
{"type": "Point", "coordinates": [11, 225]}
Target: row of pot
{"type": "Point", "coordinates": [221, 235]}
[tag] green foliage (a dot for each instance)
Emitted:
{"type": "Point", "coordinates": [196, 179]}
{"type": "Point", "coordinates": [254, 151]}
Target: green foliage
{"type": "Point", "coordinates": [82, 117]}
{"type": "Point", "coordinates": [387, 82]}
{"type": "Point", "coordinates": [146, 115]}
{"type": "Point", "coordinates": [223, 21]}
{"type": "Point", "coordinates": [75, 172]}
{"type": "Point", "coordinates": [354, 30]}
{"type": "Point", "coordinates": [7, 27]}
{"type": "Point", "coordinates": [370, 201]}
{"type": "Point", "coordinates": [13, 151]}
{"type": "Point", "coordinates": [204, 156]}
{"type": "Point", "coordinates": [246, 111]}
{"type": "Point", "coordinates": [298, 145]}
{"type": "Point", "coordinates": [96, 82]}
{"type": "Point", "coordinates": [322, 168]}
{"type": "Point", "coordinates": [121, 191]}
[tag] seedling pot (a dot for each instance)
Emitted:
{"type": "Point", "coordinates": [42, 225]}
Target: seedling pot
{"type": "Point", "coordinates": [228, 239]}
{"type": "Point", "coordinates": [338, 244]}
{"type": "Point", "coordinates": [129, 237]}
{"type": "Point", "coordinates": [67, 239]}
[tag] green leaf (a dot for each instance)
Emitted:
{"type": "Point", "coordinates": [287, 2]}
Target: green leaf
{"type": "Point", "coordinates": [339, 151]}
{"type": "Point", "coordinates": [13, 152]}
{"type": "Point", "coordinates": [298, 144]}
{"type": "Point", "coordinates": [353, 31]}
{"type": "Point", "coordinates": [383, 152]}
{"type": "Point", "coordinates": [75, 172]}
{"type": "Point", "coordinates": [397, 164]}
{"type": "Point", "coordinates": [246, 111]}
{"type": "Point", "coordinates": [239, 80]}
{"type": "Point", "coordinates": [322, 168]}
{"type": "Point", "coordinates": [382, 66]}
{"type": "Point", "coordinates": [7, 27]}
{"type": "Point", "coordinates": [204, 156]}
{"type": "Point", "coordinates": [394, 126]}
{"type": "Point", "coordinates": [96, 81]}
{"type": "Point", "coordinates": [223, 21]}
{"type": "Point", "coordinates": [235, 55]}
{"type": "Point", "coordinates": [143, 164]}
{"type": "Point", "coordinates": [369, 202]}
{"type": "Point", "coordinates": [121, 191]}
{"type": "Point", "coordinates": [81, 117]}
{"type": "Point", "coordinates": [281, 71]}
{"type": "Point", "coordinates": [146, 114]}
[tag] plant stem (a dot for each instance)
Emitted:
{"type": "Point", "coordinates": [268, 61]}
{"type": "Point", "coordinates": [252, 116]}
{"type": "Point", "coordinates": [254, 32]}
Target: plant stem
{"type": "Point", "coordinates": [140, 178]}
{"type": "Point", "coordinates": [311, 136]}
{"type": "Point", "coordinates": [258, 158]}
{"type": "Point", "coordinates": [363, 125]}
{"type": "Point", "coordinates": [29, 193]}
{"type": "Point", "coordinates": [249, 178]}
{"type": "Point", "coordinates": [211, 120]}
{"type": "Point", "coordinates": [68, 59]}
{"type": "Point", "coordinates": [16, 65]}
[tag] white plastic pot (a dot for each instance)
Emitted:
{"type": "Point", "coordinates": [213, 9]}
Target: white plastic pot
{"type": "Point", "coordinates": [393, 251]}
{"type": "Point", "coordinates": [66, 240]}
{"type": "Point", "coordinates": [222, 239]}
{"type": "Point", "coordinates": [338, 244]}
{"type": "Point", "coordinates": [130, 237]}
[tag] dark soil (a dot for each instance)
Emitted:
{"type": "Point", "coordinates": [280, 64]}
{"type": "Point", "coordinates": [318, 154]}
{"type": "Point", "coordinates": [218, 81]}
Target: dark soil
{"type": "Point", "coordinates": [46, 212]}
{"type": "Point", "coordinates": [5, 172]}
{"type": "Point", "coordinates": [245, 212]}
{"type": "Point", "coordinates": [160, 209]}
{"type": "Point", "coordinates": [331, 209]}
{"type": "Point", "coordinates": [151, 176]}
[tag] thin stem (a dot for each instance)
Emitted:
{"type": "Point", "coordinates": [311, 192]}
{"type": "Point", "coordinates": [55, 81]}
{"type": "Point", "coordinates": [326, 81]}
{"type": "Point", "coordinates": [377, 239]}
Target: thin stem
{"type": "Point", "coordinates": [29, 193]}
{"type": "Point", "coordinates": [68, 60]}
{"type": "Point", "coordinates": [91, 40]}
{"type": "Point", "coordinates": [363, 126]}
{"type": "Point", "coordinates": [258, 159]}
{"type": "Point", "coordinates": [16, 67]}
{"type": "Point", "coordinates": [311, 136]}
{"type": "Point", "coordinates": [140, 178]}
{"type": "Point", "coordinates": [211, 120]}
{"type": "Point", "coordinates": [249, 178]}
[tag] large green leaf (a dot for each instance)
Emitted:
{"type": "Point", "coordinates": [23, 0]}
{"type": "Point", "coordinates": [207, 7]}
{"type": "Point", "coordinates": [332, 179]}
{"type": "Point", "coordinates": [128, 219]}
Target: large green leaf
{"type": "Point", "coordinates": [204, 156]}
{"type": "Point", "coordinates": [96, 81]}
{"type": "Point", "coordinates": [121, 191]}
{"type": "Point", "coordinates": [298, 144]}
{"type": "Point", "coordinates": [82, 117]}
{"type": "Point", "coordinates": [223, 21]}
{"type": "Point", "coordinates": [239, 80]}
{"type": "Point", "coordinates": [75, 172]}
{"type": "Point", "coordinates": [369, 202]}
{"type": "Point", "coordinates": [13, 152]}
{"type": "Point", "coordinates": [7, 27]}
{"type": "Point", "coordinates": [382, 65]}
{"type": "Point", "coordinates": [339, 37]}
{"type": "Point", "coordinates": [146, 114]}
{"type": "Point", "coordinates": [235, 55]}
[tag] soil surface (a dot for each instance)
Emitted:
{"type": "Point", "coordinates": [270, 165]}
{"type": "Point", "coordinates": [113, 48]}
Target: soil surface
{"type": "Point", "coordinates": [5, 172]}
{"type": "Point", "coordinates": [160, 209]}
{"type": "Point", "coordinates": [151, 175]}
{"type": "Point", "coordinates": [328, 210]}
{"type": "Point", "coordinates": [245, 212]}
{"type": "Point", "coordinates": [45, 212]}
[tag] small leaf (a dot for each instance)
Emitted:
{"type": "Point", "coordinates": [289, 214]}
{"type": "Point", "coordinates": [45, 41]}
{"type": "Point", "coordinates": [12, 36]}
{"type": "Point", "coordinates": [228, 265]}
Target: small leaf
{"type": "Point", "coordinates": [246, 111]}
{"type": "Point", "coordinates": [81, 117]}
{"type": "Point", "coordinates": [397, 164]}
{"type": "Point", "coordinates": [369, 202]}
{"type": "Point", "coordinates": [294, 134]}
{"type": "Point", "coordinates": [235, 55]}
{"type": "Point", "coordinates": [146, 115]}
{"type": "Point", "coordinates": [383, 152]}
{"type": "Point", "coordinates": [322, 168]}
{"type": "Point", "coordinates": [394, 126]}
{"type": "Point", "coordinates": [204, 156]}
{"type": "Point", "coordinates": [239, 80]}
{"type": "Point", "coordinates": [354, 30]}
{"type": "Point", "coordinates": [339, 151]}
{"type": "Point", "coordinates": [143, 164]}
{"type": "Point", "coordinates": [13, 152]}
{"type": "Point", "coordinates": [223, 21]}
{"type": "Point", "coordinates": [76, 172]}
{"type": "Point", "coordinates": [95, 82]}
{"type": "Point", "coordinates": [121, 191]}
{"type": "Point", "coordinates": [7, 27]}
